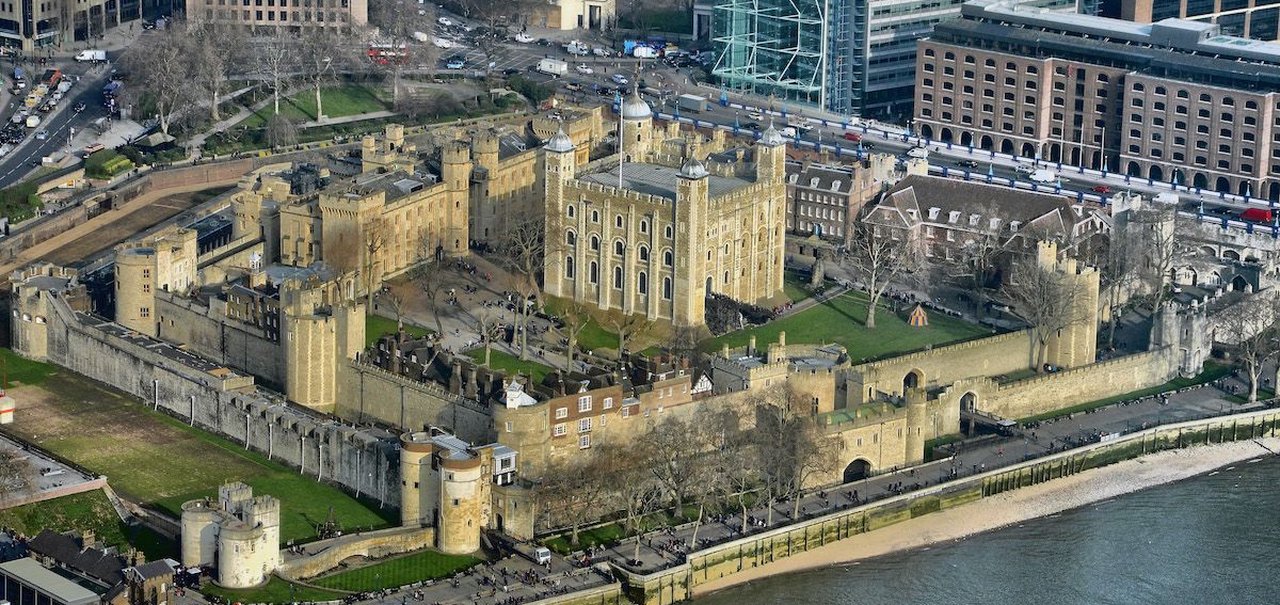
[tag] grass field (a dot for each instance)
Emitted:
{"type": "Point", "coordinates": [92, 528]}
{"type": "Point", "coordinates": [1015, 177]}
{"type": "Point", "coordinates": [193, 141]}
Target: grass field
{"type": "Point", "coordinates": [594, 336]}
{"type": "Point", "coordinates": [160, 462]}
{"type": "Point", "coordinates": [88, 510]}
{"type": "Point", "coordinates": [506, 362]}
{"type": "Point", "coordinates": [275, 591]}
{"type": "Point", "coordinates": [795, 286]}
{"type": "Point", "coordinates": [840, 321]}
{"type": "Point", "coordinates": [392, 573]}
{"type": "Point", "coordinates": [19, 370]}
{"type": "Point", "coordinates": [377, 326]}
{"type": "Point", "coordinates": [340, 101]}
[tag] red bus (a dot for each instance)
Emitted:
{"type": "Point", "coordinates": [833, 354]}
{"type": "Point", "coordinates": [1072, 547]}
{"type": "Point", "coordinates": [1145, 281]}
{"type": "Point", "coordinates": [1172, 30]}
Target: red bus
{"type": "Point", "coordinates": [387, 54]}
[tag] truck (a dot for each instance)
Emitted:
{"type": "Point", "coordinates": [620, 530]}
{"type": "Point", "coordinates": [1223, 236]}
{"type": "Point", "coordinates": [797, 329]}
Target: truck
{"type": "Point", "coordinates": [553, 67]}
{"type": "Point", "coordinates": [94, 56]}
{"type": "Point", "coordinates": [1044, 177]}
{"type": "Point", "coordinates": [51, 77]}
{"type": "Point", "coordinates": [112, 89]}
{"type": "Point", "coordinates": [691, 103]}
{"type": "Point", "coordinates": [577, 49]}
{"type": "Point", "coordinates": [19, 77]}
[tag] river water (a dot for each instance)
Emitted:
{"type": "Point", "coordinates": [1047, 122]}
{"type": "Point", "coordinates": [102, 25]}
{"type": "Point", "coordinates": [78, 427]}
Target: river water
{"type": "Point", "coordinates": [1207, 540]}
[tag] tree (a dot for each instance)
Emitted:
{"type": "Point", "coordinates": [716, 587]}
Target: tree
{"type": "Point", "coordinates": [673, 450]}
{"type": "Point", "coordinates": [281, 132]}
{"type": "Point", "coordinates": [1250, 326]}
{"type": "Point", "coordinates": [1048, 300]}
{"type": "Point", "coordinates": [627, 327]}
{"type": "Point", "coordinates": [397, 21]}
{"type": "Point", "coordinates": [573, 492]}
{"type": "Point", "coordinates": [973, 265]}
{"type": "Point", "coordinates": [877, 261]}
{"type": "Point", "coordinates": [216, 50]}
{"type": "Point", "coordinates": [399, 296]}
{"type": "Point", "coordinates": [374, 237]}
{"type": "Point", "coordinates": [1151, 236]}
{"type": "Point", "coordinates": [160, 67]}
{"type": "Point", "coordinates": [521, 250]}
{"type": "Point", "coordinates": [486, 321]}
{"type": "Point", "coordinates": [429, 273]}
{"type": "Point", "coordinates": [790, 446]}
{"type": "Point", "coordinates": [276, 61]}
{"type": "Point", "coordinates": [321, 56]}
{"type": "Point", "coordinates": [576, 318]}
{"type": "Point", "coordinates": [630, 483]}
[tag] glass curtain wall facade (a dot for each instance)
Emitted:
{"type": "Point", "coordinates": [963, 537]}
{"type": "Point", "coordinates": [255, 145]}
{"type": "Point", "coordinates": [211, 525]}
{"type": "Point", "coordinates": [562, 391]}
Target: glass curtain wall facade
{"type": "Point", "coordinates": [775, 48]}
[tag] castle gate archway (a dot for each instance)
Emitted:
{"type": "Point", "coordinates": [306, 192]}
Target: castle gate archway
{"type": "Point", "coordinates": [857, 470]}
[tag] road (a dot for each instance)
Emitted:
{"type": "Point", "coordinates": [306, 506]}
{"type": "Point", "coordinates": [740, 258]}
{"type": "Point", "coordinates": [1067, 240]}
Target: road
{"type": "Point", "coordinates": [26, 156]}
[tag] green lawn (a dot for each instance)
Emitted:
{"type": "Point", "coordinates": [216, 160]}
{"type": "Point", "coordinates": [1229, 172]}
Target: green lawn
{"type": "Point", "coordinates": [377, 326]}
{"type": "Point", "coordinates": [160, 462]}
{"type": "Point", "coordinates": [795, 286]}
{"type": "Point", "coordinates": [340, 101]}
{"type": "Point", "coordinates": [512, 364]}
{"type": "Point", "coordinates": [594, 336]}
{"type": "Point", "coordinates": [274, 591]}
{"type": "Point", "coordinates": [20, 370]}
{"type": "Point", "coordinates": [840, 320]}
{"type": "Point", "coordinates": [597, 536]}
{"type": "Point", "coordinates": [88, 510]}
{"type": "Point", "coordinates": [1211, 372]}
{"type": "Point", "coordinates": [392, 573]}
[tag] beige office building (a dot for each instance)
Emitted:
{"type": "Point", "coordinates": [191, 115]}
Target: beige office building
{"type": "Point", "coordinates": [286, 13]}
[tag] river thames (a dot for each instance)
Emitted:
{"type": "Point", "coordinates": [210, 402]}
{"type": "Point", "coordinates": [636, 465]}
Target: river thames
{"type": "Point", "coordinates": [1210, 539]}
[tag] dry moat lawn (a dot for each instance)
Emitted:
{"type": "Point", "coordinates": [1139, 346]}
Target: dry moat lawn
{"type": "Point", "coordinates": [160, 462]}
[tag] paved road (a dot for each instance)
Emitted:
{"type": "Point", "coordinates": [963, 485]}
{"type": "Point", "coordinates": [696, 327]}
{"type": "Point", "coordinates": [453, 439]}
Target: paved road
{"type": "Point", "coordinates": [26, 157]}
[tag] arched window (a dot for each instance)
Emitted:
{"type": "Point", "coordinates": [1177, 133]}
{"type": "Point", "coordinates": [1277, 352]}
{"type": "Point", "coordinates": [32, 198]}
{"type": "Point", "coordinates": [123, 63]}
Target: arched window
{"type": "Point", "coordinates": [617, 277]}
{"type": "Point", "coordinates": [569, 210]}
{"type": "Point", "coordinates": [593, 273]}
{"type": "Point", "coordinates": [595, 243]}
{"type": "Point", "coordinates": [666, 288]}
{"type": "Point", "coordinates": [618, 247]}
{"type": "Point", "coordinates": [668, 259]}
{"type": "Point", "coordinates": [667, 231]}
{"type": "Point", "coordinates": [570, 238]}
{"type": "Point", "coordinates": [568, 267]}
{"type": "Point", "coordinates": [644, 253]}
{"type": "Point", "coordinates": [642, 283]}
{"type": "Point", "coordinates": [617, 221]}
{"type": "Point", "coordinates": [726, 277]}
{"type": "Point", "coordinates": [644, 225]}
{"type": "Point", "coordinates": [595, 216]}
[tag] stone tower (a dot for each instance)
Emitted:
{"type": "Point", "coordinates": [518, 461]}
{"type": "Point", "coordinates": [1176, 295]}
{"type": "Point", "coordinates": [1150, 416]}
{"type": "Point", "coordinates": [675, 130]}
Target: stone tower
{"type": "Point", "coordinates": [446, 484]}
{"type": "Point", "coordinates": [240, 533]}
{"type": "Point", "coordinates": [165, 261]}
{"type": "Point", "coordinates": [484, 149]}
{"type": "Point", "coordinates": [637, 128]}
{"type": "Point", "coordinates": [317, 336]}
{"type": "Point", "coordinates": [1077, 344]}
{"type": "Point", "coordinates": [691, 272]}
{"type": "Point", "coordinates": [916, 418]}
{"type": "Point", "coordinates": [771, 156]}
{"type": "Point", "coordinates": [415, 467]}
{"type": "Point", "coordinates": [559, 167]}
{"type": "Point", "coordinates": [455, 166]}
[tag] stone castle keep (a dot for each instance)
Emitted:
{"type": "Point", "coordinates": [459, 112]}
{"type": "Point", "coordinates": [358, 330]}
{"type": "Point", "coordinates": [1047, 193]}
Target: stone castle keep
{"type": "Point", "coordinates": [239, 534]}
{"type": "Point", "coordinates": [261, 338]}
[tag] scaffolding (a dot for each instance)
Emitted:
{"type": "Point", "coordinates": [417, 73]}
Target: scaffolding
{"type": "Point", "coordinates": [773, 47]}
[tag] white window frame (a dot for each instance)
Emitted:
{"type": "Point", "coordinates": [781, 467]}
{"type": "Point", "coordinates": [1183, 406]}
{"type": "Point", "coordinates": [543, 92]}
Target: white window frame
{"type": "Point", "coordinates": [607, 403]}
{"type": "Point", "coordinates": [559, 430]}
{"type": "Point", "coordinates": [584, 403]}
{"type": "Point", "coordinates": [584, 424]}
{"type": "Point", "coordinates": [584, 441]}
{"type": "Point", "coordinates": [562, 413]}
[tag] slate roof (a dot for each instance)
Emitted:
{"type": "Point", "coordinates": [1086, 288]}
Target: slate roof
{"type": "Point", "coordinates": [912, 200]}
{"type": "Point", "coordinates": [66, 550]}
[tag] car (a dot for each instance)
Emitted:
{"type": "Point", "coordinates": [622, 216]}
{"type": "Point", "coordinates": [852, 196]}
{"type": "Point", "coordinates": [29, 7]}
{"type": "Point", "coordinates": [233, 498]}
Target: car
{"type": "Point", "coordinates": [543, 42]}
{"type": "Point", "coordinates": [852, 136]}
{"type": "Point", "coordinates": [619, 79]}
{"type": "Point", "coordinates": [605, 91]}
{"type": "Point", "coordinates": [601, 52]}
{"type": "Point", "coordinates": [868, 145]}
{"type": "Point", "coordinates": [42, 134]}
{"type": "Point", "coordinates": [755, 115]}
{"type": "Point", "coordinates": [445, 21]}
{"type": "Point", "coordinates": [523, 38]}
{"type": "Point", "coordinates": [583, 69]}
{"type": "Point", "coordinates": [967, 164]}
{"type": "Point", "coordinates": [750, 125]}
{"type": "Point", "coordinates": [919, 153]}
{"type": "Point", "coordinates": [1101, 189]}
{"type": "Point", "coordinates": [572, 86]}
{"type": "Point", "coordinates": [456, 63]}
{"type": "Point", "coordinates": [1024, 168]}
{"type": "Point", "coordinates": [510, 71]}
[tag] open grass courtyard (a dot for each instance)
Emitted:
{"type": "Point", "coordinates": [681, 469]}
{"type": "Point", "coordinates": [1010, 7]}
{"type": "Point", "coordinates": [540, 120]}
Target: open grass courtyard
{"type": "Point", "coordinates": [161, 462]}
{"type": "Point", "coordinates": [512, 364]}
{"type": "Point", "coordinates": [275, 590]}
{"type": "Point", "coordinates": [377, 326]}
{"type": "Point", "coordinates": [338, 101]}
{"type": "Point", "coordinates": [393, 573]}
{"type": "Point", "coordinates": [840, 320]}
{"type": "Point", "coordinates": [86, 510]}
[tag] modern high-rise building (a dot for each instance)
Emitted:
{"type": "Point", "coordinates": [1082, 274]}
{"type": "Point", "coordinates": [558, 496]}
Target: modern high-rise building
{"type": "Point", "coordinates": [851, 57]}
{"type": "Point", "coordinates": [1255, 19]}
{"type": "Point", "coordinates": [36, 26]}
{"type": "Point", "coordinates": [1171, 101]}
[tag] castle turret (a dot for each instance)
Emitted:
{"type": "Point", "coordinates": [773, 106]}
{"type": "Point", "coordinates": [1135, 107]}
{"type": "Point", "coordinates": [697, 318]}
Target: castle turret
{"type": "Point", "coordinates": [484, 148]}
{"type": "Point", "coordinates": [455, 162]}
{"type": "Point", "coordinates": [637, 128]}
{"type": "Point", "coordinates": [561, 264]}
{"type": "Point", "coordinates": [415, 469]}
{"type": "Point", "coordinates": [463, 497]}
{"type": "Point", "coordinates": [692, 274]}
{"type": "Point", "coordinates": [199, 533]}
{"type": "Point", "coordinates": [771, 156]}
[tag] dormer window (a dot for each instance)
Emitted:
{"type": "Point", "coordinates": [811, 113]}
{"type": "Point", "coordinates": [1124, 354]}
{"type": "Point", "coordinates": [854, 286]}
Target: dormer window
{"type": "Point", "coordinates": [973, 220]}
{"type": "Point", "coordinates": [953, 216]}
{"type": "Point", "coordinates": [813, 182]}
{"type": "Point", "coordinates": [835, 185]}
{"type": "Point", "coordinates": [1013, 226]}
{"type": "Point", "coordinates": [933, 214]}
{"type": "Point", "coordinates": [911, 212]}
{"type": "Point", "coordinates": [994, 224]}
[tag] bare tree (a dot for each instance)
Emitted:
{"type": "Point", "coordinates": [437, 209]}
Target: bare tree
{"type": "Point", "coordinates": [790, 446]}
{"type": "Point", "coordinates": [1250, 327]}
{"type": "Point", "coordinates": [399, 297]}
{"type": "Point", "coordinates": [877, 260]}
{"type": "Point", "coordinates": [276, 61]}
{"type": "Point", "coordinates": [397, 21]}
{"type": "Point", "coordinates": [673, 450]}
{"type": "Point", "coordinates": [486, 322]}
{"type": "Point", "coordinates": [521, 251]}
{"type": "Point", "coordinates": [1045, 298]}
{"type": "Point", "coordinates": [217, 51]}
{"type": "Point", "coordinates": [976, 262]}
{"type": "Point", "coordinates": [572, 492]}
{"type": "Point", "coordinates": [631, 484]}
{"type": "Point", "coordinates": [576, 317]}
{"type": "Point", "coordinates": [430, 274]}
{"type": "Point", "coordinates": [281, 132]}
{"type": "Point", "coordinates": [160, 67]}
{"type": "Point", "coordinates": [1152, 238]}
{"type": "Point", "coordinates": [321, 56]}
{"type": "Point", "coordinates": [374, 237]}
{"type": "Point", "coordinates": [627, 327]}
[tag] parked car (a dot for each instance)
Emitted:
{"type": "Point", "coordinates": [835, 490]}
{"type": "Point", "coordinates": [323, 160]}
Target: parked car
{"type": "Point", "coordinates": [510, 71]}
{"type": "Point", "coordinates": [456, 63]}
{"type": "Point", "coordinates": [967, 164]}
{"type": "Point", "coordinates": [445, 21]}
{"type": "Point", "coordinates": [755, 115]}
{"type": "Point", "coordinates": [1101, 189]}
{"type": "Point", "coordinates": [523, 38]}
{"type": "Point", "coordinates": [619, 79]}
{"type": "Point", "coordinates": [852, 136]}
{"type": "Point", "coordinates": [584, 70]}
{"type": "Point", "coordinates": [42, 134]}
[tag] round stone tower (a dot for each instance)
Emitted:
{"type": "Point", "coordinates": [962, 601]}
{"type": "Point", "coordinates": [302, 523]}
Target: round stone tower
{"type": "Point", "coordinates": [461, 504]}
{"type": "Point", "coordinates": [484, 149]}
{"type": "Point", "coordinates": [637, 127]}
{"type": "Point", "coordinates": [415, 469]}
{"type": "Point", "coordinates": [242, 562]}
{"type": "Point", "coordinates": [199, 533]}
{"type": "Point", "coordinates": [135, 294]}
{"type": "Point", "coordinates": [917, 413]}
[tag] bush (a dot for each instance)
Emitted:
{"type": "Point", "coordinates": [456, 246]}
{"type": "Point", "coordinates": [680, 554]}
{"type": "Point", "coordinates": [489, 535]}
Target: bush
{"type": "Point", "coordinates": [107, 164]}
{"type": "Point", "coordinates": [20, 202]}
{"type": "Point", "coordinates": [531, 90]}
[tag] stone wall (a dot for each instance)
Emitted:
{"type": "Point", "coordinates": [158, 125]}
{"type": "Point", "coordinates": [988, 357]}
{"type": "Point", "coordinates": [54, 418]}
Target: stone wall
{"type": "Point", "coordinates": [203, 332]}
{"type": "Point", "coordinates": [363, 461]}
{"type": "Point", "coordinates": [369, 393]}
{"type": "Point", "coordinates": [372, 545]}
{"type": "Point", "coordinates": [991, 356]}
{"type": "Point", "coordinates": [1055, 391]}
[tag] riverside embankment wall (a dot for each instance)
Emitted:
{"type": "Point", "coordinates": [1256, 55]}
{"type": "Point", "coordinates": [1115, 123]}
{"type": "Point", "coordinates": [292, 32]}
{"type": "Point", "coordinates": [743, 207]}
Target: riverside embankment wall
{"type": "Point", "coordinates": [680, 583]}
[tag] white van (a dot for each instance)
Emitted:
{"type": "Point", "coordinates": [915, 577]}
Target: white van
{"type": "Point", "coordinates": [1044, 177]}
{"type": "Point", "coordinates": [919, 153]}
{"type": "Point", "coordinates": [542, 556]}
